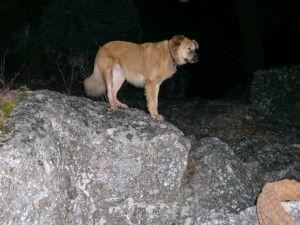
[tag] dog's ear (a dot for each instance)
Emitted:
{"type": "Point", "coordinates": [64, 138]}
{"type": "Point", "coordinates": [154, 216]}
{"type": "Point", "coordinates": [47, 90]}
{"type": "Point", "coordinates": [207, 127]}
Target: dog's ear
{"type": "Point", "coordinates": [196, 44]}
{"type": "Point", "coordinates": [178, 39]}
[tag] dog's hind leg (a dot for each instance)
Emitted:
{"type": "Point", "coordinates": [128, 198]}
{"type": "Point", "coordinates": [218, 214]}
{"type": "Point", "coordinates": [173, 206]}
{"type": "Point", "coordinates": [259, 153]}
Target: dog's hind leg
{"type": "Point", "coordinates": [118, 79]}
{"type": "Point", "coordinates": [107, 72]}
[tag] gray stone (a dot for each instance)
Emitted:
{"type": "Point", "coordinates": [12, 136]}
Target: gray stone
{"type": "Point", "coordinates": [220, 185]}
{"type": "Point", "coordinates": [249, 216]}
{"type": "Point", "coordinates": [276, 92]}
{"type": "Point", "coordinates": [265, 159]}
{"type": "Point", "coordinates": [69, 160]}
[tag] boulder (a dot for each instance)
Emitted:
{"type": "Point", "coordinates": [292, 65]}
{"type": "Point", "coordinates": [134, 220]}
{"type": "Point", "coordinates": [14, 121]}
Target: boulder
{"type": "Point", "coordinates": [69, 160]}
{"type": "Point", "coordinates": [276, 92]}
{"type": "Point", "coordinates": [249, 216]}
{"type": "Point", "coordinates": [266, 160]}
{"type": "Point", "coordinates": [217, 183]}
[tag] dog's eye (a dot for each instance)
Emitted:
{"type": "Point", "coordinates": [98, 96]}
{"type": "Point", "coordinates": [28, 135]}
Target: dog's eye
{"type": "Point", "coordinates": [188, 47]}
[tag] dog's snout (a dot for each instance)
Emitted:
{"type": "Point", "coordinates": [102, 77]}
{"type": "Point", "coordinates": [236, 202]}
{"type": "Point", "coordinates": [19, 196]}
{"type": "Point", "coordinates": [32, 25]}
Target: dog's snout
{"type": "Point", "coordinates": [195, 58]}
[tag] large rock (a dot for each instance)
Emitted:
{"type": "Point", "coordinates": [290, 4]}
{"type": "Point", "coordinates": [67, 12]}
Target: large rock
{"type": "Point", "coordinates": [68, 160]}
{"type": "Point", "coordinates": [266, 160]}
{"type": "Point", "coordinates": [276, 92]}
{"type": "Point", "coordinates": [249, 216]}
{"type": "Point", "coordinates": [218, 185]}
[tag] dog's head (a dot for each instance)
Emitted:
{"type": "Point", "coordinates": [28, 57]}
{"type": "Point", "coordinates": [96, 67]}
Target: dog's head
{"type": "Point", "coordinates": [184, 49]}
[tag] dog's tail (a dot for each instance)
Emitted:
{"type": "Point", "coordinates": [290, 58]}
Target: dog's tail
{"type": "Point", "coordinates": [94, 85]}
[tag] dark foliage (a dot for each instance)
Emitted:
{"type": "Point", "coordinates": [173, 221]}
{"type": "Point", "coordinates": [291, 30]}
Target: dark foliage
{"type": "Point", "coordinates": [12, 26]}
{"type": "Point", "coordinates": [61, 38]}
{"type": "Point", "coordinates": [83, 25]}
{"type": "Point", "coordinates": [72, 31]}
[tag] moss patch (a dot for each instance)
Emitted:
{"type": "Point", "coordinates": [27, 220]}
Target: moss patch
{"type": "Point", "coordinates": [86, 123]}
{"type": "Point", "coordinates": [7, 106]}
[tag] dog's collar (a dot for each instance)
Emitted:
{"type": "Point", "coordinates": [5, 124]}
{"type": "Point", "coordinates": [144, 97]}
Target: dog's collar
{"type": "Point", "coordinates": [174, 64]}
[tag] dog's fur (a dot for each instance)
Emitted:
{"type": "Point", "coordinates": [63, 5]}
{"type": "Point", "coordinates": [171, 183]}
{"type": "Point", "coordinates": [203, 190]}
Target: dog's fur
{"type": "Point", "coordinates": [143, 65]}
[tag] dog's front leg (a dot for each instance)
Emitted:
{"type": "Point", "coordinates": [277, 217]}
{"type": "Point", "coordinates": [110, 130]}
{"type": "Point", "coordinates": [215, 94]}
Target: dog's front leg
{"type": "Point", "coordinates": [151, 91]}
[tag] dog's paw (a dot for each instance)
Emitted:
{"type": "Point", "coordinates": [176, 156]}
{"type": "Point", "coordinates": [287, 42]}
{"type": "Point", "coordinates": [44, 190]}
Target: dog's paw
{"type": "Point", "coordinates": [113, 108]}
{"type": "Point", "coordinates": [158, 117]}
{"type": "Point", "coordinates": [123, 105]}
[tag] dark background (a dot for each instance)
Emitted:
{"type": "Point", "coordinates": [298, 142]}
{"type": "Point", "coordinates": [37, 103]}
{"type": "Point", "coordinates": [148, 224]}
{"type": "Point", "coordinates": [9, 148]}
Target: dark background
{"type": "Point", "coordinates": [58, 40]}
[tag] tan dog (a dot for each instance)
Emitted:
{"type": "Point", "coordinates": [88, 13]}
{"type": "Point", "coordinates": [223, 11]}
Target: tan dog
{"type": "Point", "coordinates": [143, 65]}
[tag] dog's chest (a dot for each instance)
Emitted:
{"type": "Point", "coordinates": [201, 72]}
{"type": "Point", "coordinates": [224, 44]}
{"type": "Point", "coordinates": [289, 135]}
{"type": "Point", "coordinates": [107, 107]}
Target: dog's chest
{"type": "Point", "coordinates": [136, 79]}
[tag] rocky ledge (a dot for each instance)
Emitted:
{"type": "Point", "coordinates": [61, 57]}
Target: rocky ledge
{"type": "Point", "coordinates": [69, 160]}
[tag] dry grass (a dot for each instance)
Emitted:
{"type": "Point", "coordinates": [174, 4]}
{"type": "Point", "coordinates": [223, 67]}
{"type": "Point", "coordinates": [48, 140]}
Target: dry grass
{"type": "Point", "coordinates": [190, 169]}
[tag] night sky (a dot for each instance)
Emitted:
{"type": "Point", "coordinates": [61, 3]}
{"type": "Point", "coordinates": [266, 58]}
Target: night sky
{"type": "Point", "coordinates": [235, 37]}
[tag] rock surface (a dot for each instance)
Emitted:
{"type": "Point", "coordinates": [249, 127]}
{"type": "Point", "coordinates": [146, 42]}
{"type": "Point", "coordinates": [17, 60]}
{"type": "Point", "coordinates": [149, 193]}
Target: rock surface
{"type": "Point", "coordinates": [219, 185]}
{"type": "Point", "coordinates": [276, 91]}
{"type": "Point", "coordinates": [68, 160]}
{"type": "Point", "coordinates": [265, 159]}
{"type": "Point", "coordinates": [270, 150]}
{"type": "Point", "coordinates": [248, 216]}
